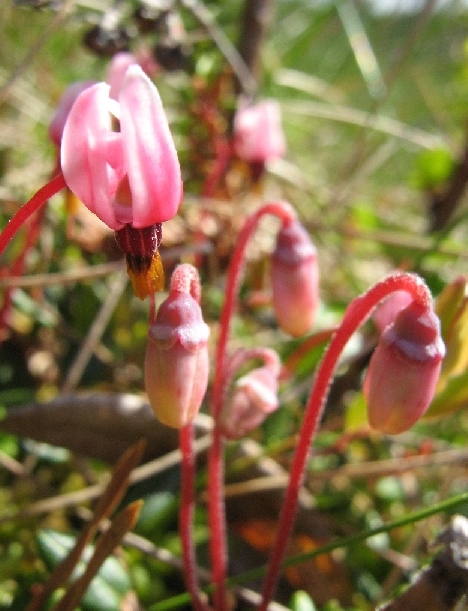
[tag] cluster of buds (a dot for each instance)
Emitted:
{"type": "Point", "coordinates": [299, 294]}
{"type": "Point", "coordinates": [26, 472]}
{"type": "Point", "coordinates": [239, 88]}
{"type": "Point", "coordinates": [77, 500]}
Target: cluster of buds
{"type": "Point", "coordinates": [118, 157]}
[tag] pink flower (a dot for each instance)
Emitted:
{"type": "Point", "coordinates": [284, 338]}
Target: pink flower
{"type": "Point", "coordinates": [177, 362]}
{"type": "Point", "coordinates": [295, 279]}
{"type": "Point", "coordinates": [403, 371]}
{"type": "Point", "coordinates": [258, 135]}
{"type": "Point", "coordinates": [117, 70]}
{"type": "Point", "coordinates": [63, 109]}
{"type": "Point", "coordinates": [254, 397]}
{"type": "Point", "coordinates": [131, 176]}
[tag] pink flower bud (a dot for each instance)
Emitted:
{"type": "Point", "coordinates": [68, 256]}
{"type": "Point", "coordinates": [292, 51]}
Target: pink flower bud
{"type": "Point", "coordinates": [387, 311]}
{"type": "Point", "coordinates": [294, 279]}
{"type": "Point", "coordinates": [255, 395]}
{"type": "Point", "coordinates": [63, 109]}
{"type": "Point", "coordinates": [177, 364]}
{"type": "Point", "coordinates": [403, 371]}
{"type": "Point", "coordinates": [126, 177]}
{"type": "Point", "coordinates": [258, 135]}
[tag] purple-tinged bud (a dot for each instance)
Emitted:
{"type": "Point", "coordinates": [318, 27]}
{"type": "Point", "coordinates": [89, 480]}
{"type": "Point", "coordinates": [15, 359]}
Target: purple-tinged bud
{"type": "Point", "coordinates": [177, 362]}
{"type": "Point", "coordinates": [254, 396]}
{"type": "Point", "coordinates": [295, 279]}
{"type": "Point", "coordinates": [403, 371]}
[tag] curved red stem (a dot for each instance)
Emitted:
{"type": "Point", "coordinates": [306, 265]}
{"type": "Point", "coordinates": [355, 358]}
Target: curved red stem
{"type": "Point", "coordinates": [30, 207]}
{"type": "Point", "coordinates": [356, 314]}
{"type": "Point", "coordinates": [216, 515]}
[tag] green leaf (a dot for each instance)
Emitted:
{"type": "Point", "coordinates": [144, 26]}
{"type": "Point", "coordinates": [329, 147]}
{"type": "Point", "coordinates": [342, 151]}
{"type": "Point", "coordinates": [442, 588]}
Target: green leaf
{"type": "Point", "coordinates": [452, 398]}
{"type": "Point", "coordinates": [448, 302]}
{"type": "Point", "coordinates": [456, 360]}
{"type": "Point", "coordinates": [108, 587]}
{"type": "Point", "coordinates": [433, 167]}
{"type": "Point", "coordinates": [356, 413]}
{"type": "Point", "coordinates": [301, 601]}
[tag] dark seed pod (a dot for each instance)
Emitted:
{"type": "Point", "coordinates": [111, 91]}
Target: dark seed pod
{"type": "Point", "coordinates": [171, 56]}
{"type": "Point", "coordinates": [106, 42]}
{"type": "Point", "coordinates": [149, 20]}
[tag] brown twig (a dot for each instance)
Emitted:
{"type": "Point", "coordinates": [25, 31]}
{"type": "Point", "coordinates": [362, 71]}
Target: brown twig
{"type": "Point", "coordinates": [442, 585]}
{"type": "Point", "coordinates": [255, 21]}
{"type": "Point", "coordinates": [110, 498]}
{"type": "Point", "coordinates": [443, 205]}
{"type": "Point", "coordinates": [106, 544]}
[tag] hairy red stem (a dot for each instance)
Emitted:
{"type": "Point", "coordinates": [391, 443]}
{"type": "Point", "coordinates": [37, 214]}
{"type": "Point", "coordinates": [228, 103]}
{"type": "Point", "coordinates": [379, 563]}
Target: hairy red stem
{"type": "Point", "coordinates": [30, 207]}
{"type": "Point", "coordinates": [17, 269]}
{"type": "Point", "coordinates": [186, 513]}
{"type": "Point", "coordinates": [216, 514]}
{"type": "Point", "coordinates": [356, 314]}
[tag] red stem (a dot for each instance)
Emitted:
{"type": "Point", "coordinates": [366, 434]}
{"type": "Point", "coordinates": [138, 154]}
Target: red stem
{"type": "Point", "coordinates": [30, 207]}
{"type": "Point", "coordinates": [17, 269]}
{"type": "Point", "coordinates": [187, 508]}
{"type": "Point", "coordinates": [356, 314]}
{"type": "Point", "coordinates": [185, 278]}
{"type": "Point", "coordinates": [216, 515]}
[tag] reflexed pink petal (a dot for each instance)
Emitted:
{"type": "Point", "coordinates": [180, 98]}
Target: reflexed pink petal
{"type": "Point", "coordinates": [63, 109]}
{"type": "Point", "coordinates": [84, 152]}
{"type": "Point", "coordinates": [150, 155]}
{"type": "Point", "coordinates": [116, 71]}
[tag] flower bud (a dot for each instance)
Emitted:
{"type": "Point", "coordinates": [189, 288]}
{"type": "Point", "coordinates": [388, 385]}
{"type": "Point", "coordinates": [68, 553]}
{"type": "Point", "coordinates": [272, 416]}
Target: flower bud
{"type": "Point", "coordinates": [403, 371]}
{"type": "Point", "coordinates": [386, 312]}
{"type": "Point", "coordinates": [294, 279]}
{"type": "Point", "coordinates": [64, 106]}
{"type": "Point", "coordinates": [253, 398]}
{"type": "Point", "coordinates": [258, 135]}
{"type": "Point", "coordinates": [177, 363]}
